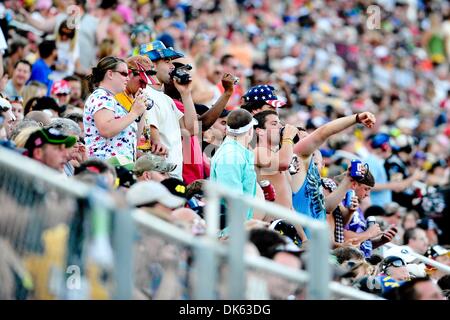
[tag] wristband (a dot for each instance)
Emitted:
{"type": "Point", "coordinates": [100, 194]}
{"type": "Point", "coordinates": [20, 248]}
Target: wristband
{"type": "Point", "coordinates": [287, 140]}
{"type": "Point", "coordinates": [357, 118]}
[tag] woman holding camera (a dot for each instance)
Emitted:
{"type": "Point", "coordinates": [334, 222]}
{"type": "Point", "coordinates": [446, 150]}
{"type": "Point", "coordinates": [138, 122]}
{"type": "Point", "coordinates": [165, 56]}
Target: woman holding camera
{"type": "Point", "coordinates": [109, 129]}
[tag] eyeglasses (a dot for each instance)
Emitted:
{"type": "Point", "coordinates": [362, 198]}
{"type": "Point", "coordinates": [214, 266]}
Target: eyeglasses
{"type": "Point", "coordinates": [62, 94]}
{"type": "Point", "coordinates": [122, 73]}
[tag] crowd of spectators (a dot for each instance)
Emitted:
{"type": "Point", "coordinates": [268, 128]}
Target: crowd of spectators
{"type": "Point", "coordinates": [272, 99]}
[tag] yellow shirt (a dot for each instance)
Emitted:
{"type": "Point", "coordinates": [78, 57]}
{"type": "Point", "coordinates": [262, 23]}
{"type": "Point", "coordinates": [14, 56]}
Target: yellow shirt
{"type": "Point", "coordinates": [126, 102]}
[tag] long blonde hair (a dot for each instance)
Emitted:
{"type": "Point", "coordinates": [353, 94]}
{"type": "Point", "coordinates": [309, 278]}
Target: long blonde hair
{"type": "Point", "coordinates": [31, 89]}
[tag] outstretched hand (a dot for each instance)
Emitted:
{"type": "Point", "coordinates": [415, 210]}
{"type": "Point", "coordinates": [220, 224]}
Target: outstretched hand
{"type": "Point", "coordinates": [367, 119]}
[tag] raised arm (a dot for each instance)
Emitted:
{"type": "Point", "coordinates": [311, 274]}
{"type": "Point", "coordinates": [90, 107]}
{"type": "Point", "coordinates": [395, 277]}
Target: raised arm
{"type": "Point", "coordinates": [312, 142]}
{"type": "Point", "coordinates": [189, 121]}
{"type": "Point", "coordinates": [210, 116]}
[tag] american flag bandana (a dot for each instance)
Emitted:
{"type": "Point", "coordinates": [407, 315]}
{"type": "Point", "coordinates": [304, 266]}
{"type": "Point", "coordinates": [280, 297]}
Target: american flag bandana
{"type": "Point", "coordinates": [263, 93]}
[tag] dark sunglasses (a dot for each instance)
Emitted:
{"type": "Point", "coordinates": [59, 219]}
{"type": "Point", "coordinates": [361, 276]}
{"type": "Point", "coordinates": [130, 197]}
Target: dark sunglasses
{"type": "Point", "coordinates": [62, 94]}
{"type": "Point", "coordinates": [122, 73]}
{"type": "Point", "coordinates": [135, 73]}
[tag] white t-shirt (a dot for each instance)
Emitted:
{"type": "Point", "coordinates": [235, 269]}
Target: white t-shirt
{"type": "Point", "coordinates": [165, 117]}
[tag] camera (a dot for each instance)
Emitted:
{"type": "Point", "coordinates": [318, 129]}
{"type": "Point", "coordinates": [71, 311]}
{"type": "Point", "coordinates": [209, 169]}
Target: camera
{"type": "Point", "coordinates": [296, 138]}
{"type": "Point", "coordinates": [180, 74]}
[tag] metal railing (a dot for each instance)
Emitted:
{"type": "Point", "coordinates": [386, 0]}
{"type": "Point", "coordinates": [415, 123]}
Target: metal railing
{"type": "Point", "coordinates": [318, 275]}
{"type": "Point", "coordinates": [68, 239]}
{"type": "Point", "coordinates": [423, 259]}
{"type": "Point", "coordinates": [207, 251]}
{"type": "Point", "coordinates": [50, 224]}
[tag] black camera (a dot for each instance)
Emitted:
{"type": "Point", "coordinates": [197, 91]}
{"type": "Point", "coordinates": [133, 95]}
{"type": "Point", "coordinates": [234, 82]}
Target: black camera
{"type": "Point", "coordinates": [296, 138]}
{"type": "Point", "coordinates": [180, 74]}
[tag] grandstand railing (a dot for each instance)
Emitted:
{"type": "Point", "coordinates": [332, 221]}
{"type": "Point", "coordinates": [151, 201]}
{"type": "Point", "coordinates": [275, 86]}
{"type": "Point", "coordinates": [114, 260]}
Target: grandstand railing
{"type": "Point", "coordinates": [208, 249]}
{"type": "Point", "coordinates": [101, 231]}
{"type": "Point", "coordinates": [423, 259]}
{"type": "Point", "coordinates": [90, 230]}
{"type": "Point", "coordinates": [318, 275]}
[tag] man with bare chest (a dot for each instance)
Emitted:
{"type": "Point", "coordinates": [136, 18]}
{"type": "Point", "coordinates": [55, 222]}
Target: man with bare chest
{"type": "Point", "coordinates": [273, 154]}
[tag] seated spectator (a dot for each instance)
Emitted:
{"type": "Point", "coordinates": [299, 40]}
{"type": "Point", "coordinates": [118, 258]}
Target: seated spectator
{"type": "Point", "coordinates": [41, 117]}
{"type": "Point", "coordinates": [77, 153]}
{"type": "Point", "coordinates": [61, 91]}
{"type": "Point", "coordinates": [418, 289]}
{"type": "Point", "coordinates": [21, 74]}
{"type": "Point", "coordinates": [97, 172]}
{"type": "Point", "coordinates": [155, 198]}
{"type": "Point", "coordinates": [50, 147]}
{"type": "Point", "coordinates": [152, 167]}
{"type": "Point", "coordinates": [17, 106]}
{"type": "Point", "coordinates": [7, 117]}
{"type": "Point", "coordinates": [441, 255]}
{"type": "Point", "coordinates": [46, 104]}
{"type": "Point", "coordinates": [394, 267]}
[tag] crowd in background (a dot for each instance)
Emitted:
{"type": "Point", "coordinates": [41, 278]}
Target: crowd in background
{"type": "Point", "coordinates": [273, 99]}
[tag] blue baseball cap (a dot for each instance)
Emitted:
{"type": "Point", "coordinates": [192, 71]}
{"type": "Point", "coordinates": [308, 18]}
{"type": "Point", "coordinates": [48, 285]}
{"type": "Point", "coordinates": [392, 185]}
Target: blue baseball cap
{"type": "Point", "coordinates": [156, 50]}
{"type": "Point", "coordinates": [380, 139]}
{"type": "Point", "coordinates": [264, 93]}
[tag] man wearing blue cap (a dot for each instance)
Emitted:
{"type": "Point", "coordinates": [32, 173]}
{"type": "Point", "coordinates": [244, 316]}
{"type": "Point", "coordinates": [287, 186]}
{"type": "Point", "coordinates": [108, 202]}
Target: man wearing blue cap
{"type": "Point", "coordinates": [164, 119]}
{"type": "Point", "coordinates": [380, 149]}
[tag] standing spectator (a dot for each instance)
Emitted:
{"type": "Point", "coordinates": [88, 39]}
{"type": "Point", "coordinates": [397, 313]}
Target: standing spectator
{"type": "Point", "coordinates": [165, 120]}
{"type": "Point", "coordinates": [20, 75]}
{"type": "Point", "coordinates": [233, 165]}
{"type": "Point", "coordinates": [42, 68]}
{"type": "Point", "coordinates": [370, 237]}
{"type": "Point", "coordinates": [68, 62]}
{"type": "Point", "coordinates": [109, 129]}
{"type": "Point", "coordinates": [16, 52]}
{"type": "Point", "coordinates": [306, 185]}
{"type": "Point", "coordinates": [380, 149]}
{"type": "Point", "coordinates": [140, 72]}
{"type": "Point", "coordinates": [231, 65]}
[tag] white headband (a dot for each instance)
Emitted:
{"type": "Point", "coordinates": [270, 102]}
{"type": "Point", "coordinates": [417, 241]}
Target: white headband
{"type": "Point", "coordinates": [243, 129]}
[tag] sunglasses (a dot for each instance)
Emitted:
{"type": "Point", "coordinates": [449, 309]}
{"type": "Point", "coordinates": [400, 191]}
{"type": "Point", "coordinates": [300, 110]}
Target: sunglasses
{"type": "Point", "coordinates": [135, 73]}
{"type": "Point", "coordinates": [62, 94]}
{"type": "Point", "coordinates": [395, 263]}
{"type": "Point", "coordinates": [122, 73]}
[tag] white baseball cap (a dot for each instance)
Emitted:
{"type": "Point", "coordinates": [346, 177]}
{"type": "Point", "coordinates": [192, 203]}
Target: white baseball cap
{"type": "Point", "coordinates": [145, 192]}
{"type": "Point", "coordinates": [4, 104]}
{"type": "Point", "coordinates": [401, 251]}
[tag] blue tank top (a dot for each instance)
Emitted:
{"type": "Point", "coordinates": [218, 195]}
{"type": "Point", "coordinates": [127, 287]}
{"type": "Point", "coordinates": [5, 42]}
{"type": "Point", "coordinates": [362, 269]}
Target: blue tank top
{"type": "Point", "coordinates": [309, 200]}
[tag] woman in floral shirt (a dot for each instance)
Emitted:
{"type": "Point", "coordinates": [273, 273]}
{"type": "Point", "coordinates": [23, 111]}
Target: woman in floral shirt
{"type": "Point", "coordinates": [109, 129]}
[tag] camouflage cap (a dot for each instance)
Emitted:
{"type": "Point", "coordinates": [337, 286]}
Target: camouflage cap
{"type": "Point", "coordinates": [151, 162]}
